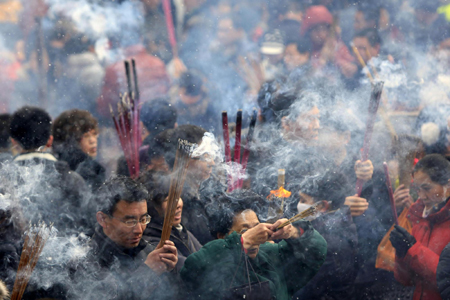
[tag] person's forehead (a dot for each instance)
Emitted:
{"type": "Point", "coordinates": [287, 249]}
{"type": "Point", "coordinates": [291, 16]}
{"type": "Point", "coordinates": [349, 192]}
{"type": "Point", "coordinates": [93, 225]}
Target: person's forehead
{"type": "Point", "coordinates": [124, 208]}
{"type": "Point", "coordinates": [422, 178]}
{"type": "Point", "coordinates": [247, 216]}
{"type": "Point", "coordinates": [360, 40]}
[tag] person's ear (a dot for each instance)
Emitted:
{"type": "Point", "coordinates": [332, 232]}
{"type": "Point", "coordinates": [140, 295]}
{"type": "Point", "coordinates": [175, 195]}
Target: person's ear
{"type": "Point", "coordinates": [101, 219]}
{"type": "Point", "coordinates": [49, 142]}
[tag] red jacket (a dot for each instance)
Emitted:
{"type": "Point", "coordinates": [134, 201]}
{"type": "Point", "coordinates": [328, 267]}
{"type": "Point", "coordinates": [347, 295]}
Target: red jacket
{"type": "Point", "coordinates": [419, 266]}
{"type": "Point", "coordinates": [152, 76]}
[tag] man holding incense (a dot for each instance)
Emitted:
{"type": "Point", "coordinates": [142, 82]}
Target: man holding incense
{"type": "Point", "coordinates": [243, 263]}
{"type": "Point", "coordinates": [120, 264]}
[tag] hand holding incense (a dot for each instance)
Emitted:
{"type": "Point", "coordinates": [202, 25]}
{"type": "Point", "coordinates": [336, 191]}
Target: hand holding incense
{"type": "Point", "coordinates": [391, 193]}
{"type": "Point", "coordinates": [373, 108]}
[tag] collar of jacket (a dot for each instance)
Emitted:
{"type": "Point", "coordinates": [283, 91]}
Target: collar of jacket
{"type": "Point", "coordinates": [33, 155]}
{"type": "Point", "coordinates": [106, 249]}
{"type": "Point", "coordinates": [416, 210]}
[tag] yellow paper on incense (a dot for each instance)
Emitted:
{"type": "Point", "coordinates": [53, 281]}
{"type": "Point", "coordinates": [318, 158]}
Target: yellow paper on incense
{"type": "Point", "coordinates": [280, 193]}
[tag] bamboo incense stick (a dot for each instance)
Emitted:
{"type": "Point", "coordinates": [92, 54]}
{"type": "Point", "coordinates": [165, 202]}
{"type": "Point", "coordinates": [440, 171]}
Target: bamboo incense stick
{"type": "Point", "coordinates": [373, 108]}
{"type": "Point", "coordinates": [390, 191]}
{"type": "Point", "coordinates": [35, 240]}
{"type": "Point", "coordinates": [362, 62]}
{"type": "Point", "coordinates": [178, 177]}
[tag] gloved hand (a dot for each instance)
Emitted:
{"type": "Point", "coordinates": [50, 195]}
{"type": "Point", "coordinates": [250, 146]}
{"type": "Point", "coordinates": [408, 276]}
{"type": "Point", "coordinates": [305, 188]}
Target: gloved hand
{"type": "Point", "coordinates": [401, 240]}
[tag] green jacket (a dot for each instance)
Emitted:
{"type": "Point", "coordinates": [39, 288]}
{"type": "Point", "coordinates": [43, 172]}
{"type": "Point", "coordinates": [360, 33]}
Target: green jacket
{"type": "Point", "coordinates": [288, 265]}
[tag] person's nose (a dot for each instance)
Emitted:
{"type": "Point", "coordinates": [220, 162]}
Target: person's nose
{"type": "Point", "coordinates": [422, 195]}
{"type": "Point", "coordinates": [138, 228]}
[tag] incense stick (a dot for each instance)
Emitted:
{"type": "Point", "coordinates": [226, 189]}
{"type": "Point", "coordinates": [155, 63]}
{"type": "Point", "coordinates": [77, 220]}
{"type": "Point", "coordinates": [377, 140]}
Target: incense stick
{"type": "Point", "coordinates": [178, 177]}
{"type": "Point", "coordinates": [127, 121]}
{"type": "Point", "coordinates": [226, 141]}
{"type": "Point", "coordinates": [237, 146]}
{"type": "Point", "coordinates": [306, 213]}
{"type": "Point", "coordinates": [35, 240]}
{"type": "Point", "coordinates": [391, 193]}
{"type": "Point", "coordinates": [373, 108]}
{"type": "Point", "coordinates": [246, 154]}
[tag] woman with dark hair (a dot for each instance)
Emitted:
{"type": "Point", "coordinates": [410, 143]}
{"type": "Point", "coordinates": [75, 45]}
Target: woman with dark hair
{"type": "Point", "coordinates": [158, 184]}
{"type": "Point", "coordinates": [417, 255]}
{"type": "Point", "coordinates": [243, 263]}
{"type": "Point", "coordinates": [75, 134]}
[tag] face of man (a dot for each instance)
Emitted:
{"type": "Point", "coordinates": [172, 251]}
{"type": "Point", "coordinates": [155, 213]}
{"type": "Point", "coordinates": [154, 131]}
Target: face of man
{"type": "Point", "coordinates": [306, 127]}
{"type": "Point", "coordinates": [88, 143]}
{"type": "Point", "coordinates": [115, 227]}
{"type": "Point", "coordinates": [226, 33]}
{"type": "Point", "coordinates": [242, 222]}
{"type": "Point", "coordinates": [319, 34]}
{"type": "Point", "coordinates": [200, 168]}
{"type": "Point", "coordinates": [365, 49]}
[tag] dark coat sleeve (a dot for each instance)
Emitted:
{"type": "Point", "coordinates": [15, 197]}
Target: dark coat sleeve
{"type": "Point", "coordinates": [443, 273]}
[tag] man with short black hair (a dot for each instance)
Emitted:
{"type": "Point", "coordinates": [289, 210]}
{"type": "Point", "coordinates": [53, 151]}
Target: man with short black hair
{"type": "Point", "coordinates": [53, 193]}
{"type": "Point", "coordinates": [120, 263]}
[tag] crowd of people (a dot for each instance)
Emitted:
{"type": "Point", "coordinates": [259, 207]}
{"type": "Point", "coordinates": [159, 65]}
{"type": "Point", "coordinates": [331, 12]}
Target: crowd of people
{"type": "Point", "coordinates": [306, 69]}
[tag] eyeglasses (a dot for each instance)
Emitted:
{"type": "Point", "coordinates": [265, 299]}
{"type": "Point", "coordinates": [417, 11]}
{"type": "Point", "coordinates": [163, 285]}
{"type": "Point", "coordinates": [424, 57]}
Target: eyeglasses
{"type": "Point", "coordinates": [131, 223]}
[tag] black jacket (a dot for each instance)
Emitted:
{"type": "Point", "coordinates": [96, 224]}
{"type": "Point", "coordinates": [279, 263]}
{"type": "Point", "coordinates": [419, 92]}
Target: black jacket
{"type": "Point", "coordinates": [337, 274]}
{"type": "Point", "coordinates": [112, 272]}
{"type": "Point", "coordinates": [443, 273]}
{"type": "Point", "coordinates": [92, 172]}
{"type": "Point", "coordinates": [184, 240]}
{"type": "Point", "coordinates": [49, 191]}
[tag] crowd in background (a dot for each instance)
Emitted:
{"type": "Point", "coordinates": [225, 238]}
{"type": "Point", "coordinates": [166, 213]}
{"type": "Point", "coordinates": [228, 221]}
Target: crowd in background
{"type": "Point", "coordinates": [307, 67]}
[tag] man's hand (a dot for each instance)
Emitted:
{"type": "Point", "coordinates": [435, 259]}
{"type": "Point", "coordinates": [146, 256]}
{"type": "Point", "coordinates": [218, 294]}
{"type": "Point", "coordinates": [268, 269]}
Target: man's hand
{"type": "Point", "coordinates": [163, 259]}
{"type": "Point", "coordinates": [357, 205]}
{"type": "Point", "coordinates": [402, 197]}
{"type": "Point", "coordinates": [284, 233]}
{"type": "Point", "coordinates": [364, 170]}
{"type": "Point", "coordinates": [257, 235]}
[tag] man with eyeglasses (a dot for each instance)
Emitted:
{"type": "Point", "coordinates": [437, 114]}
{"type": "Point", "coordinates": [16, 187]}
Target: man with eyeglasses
{"type": "Point", "coordinates": [120, 264]}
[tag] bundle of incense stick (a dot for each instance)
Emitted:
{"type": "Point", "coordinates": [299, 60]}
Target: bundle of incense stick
{"type": "Point", "coordinates": [235, 183]}
{"type": "Point", "coordinates": [306, 213]}
{"type": "Point", "coordinates": [178, 176]}
{"type": "Point", "coordinates": [391, 193]}
{"type": "Point", "coordinates": [373, 108]}
{"type": "Point", "coordinates": [371, 78]}
{"type": "Point", "coordinates": [127, 121]}
{"type": "Point", "coordinates": [35, 239]}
